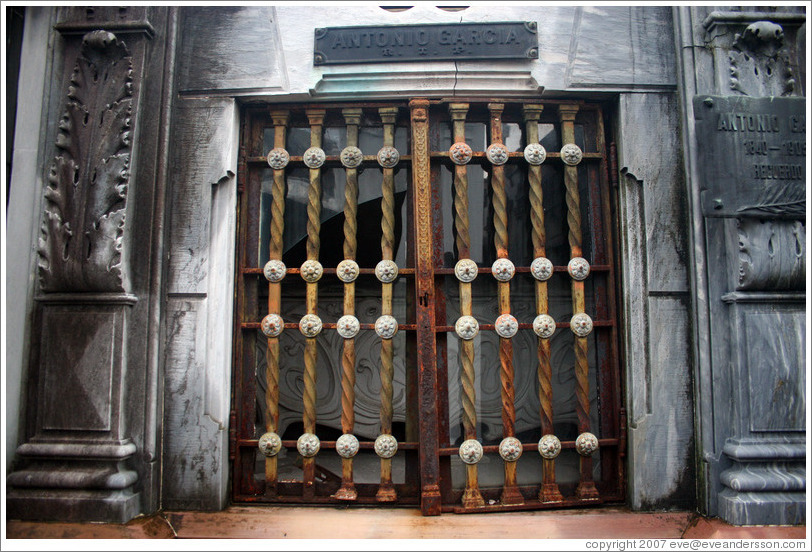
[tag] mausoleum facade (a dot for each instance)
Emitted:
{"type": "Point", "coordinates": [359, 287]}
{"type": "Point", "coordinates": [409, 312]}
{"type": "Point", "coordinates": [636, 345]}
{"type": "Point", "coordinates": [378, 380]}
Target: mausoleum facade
{"type": "Point", "coordinates": [460, 259]}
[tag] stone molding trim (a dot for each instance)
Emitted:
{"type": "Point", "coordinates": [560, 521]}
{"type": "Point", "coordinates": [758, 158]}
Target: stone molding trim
{"type": "Point", "coordinates": [769, 475]}
{"type": "Point", "coordinates": [82, 243]}
{"type": "Point", "coordinates": [350, 83]}
{"type": "Point", "coordinates": [132, 20]}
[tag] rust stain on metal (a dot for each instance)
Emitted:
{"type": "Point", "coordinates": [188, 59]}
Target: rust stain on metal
{"type": "Point", "coordinates": [430, 499]}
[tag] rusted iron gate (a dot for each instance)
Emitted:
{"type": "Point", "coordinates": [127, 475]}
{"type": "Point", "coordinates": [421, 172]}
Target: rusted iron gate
{"type": "Point", "coordinates": [425, 307]}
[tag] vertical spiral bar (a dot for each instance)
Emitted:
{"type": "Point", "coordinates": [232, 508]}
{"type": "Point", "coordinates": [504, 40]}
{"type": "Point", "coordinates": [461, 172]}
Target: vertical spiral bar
{"type": "Point", "coordinates": [347, 491]}
{"type": "Point", "coordinates": [549, 491]}
{"type": "Point", "coordinates": [316, 118]}
{"type": "Point", "coordinates": [280, 121]}
{"type": "Point", "coordinates": [386, 490]}
{"type": "Point", "coordinates": [586, 489]}
{"type": "Point", "coordinates": [510, 489]}
{"type": "Point", "coordinates": [471, 498]}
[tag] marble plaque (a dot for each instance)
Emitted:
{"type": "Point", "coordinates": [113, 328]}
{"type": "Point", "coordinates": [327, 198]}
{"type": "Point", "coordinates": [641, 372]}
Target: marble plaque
{"type": "Point", "coordinates": [752, 155]}
{"type": "Point", "coordinates": [459, 41]}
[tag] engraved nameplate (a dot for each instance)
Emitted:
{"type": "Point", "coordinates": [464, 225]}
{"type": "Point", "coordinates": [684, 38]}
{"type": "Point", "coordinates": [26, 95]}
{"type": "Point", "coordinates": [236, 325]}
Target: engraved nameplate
{"type": "Point", "coordinates": [752, 156]}
{"type": "Point", "coordinates": [458, 41]}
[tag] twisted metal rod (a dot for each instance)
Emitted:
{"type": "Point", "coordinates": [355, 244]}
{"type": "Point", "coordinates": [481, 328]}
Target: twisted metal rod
{"type": "Point", "coordinates": [586, 487]}
{"type": "Point", "coordinates": [315, 118]}
{"type": "Point", "coordinates": [280, 121]}
{"type": "Point", "coordinates": [471, 497]}
{"type": "Point", "coordinates": [510, 489]}
{"type": "Point", "coordinates": [549, 491]}
{"type": "Point", "coordinates": [347, 491]}
{"type": "Point", "coordinates": [386, 491]}
{"type": "Point", "coordinates": [352, 117]}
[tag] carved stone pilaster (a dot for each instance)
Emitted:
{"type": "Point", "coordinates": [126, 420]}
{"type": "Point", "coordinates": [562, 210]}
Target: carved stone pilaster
{"type": "Point", "coordinates": [748, 206]}
{"type": "Point", "coordinates": [91, 445]}
{"type": "Point", "coordinates": [82, 243]}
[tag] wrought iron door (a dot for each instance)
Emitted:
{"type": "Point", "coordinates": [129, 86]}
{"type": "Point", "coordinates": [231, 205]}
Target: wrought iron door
{"type": "Point", "coordinates": [426, 307]}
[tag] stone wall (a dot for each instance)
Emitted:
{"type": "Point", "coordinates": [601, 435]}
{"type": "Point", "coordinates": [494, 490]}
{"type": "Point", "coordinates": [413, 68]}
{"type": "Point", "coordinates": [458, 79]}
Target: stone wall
{"type": "Point", "coordinates": [625, 53]}
{"type": "Point", "coordinates": [173, 359]}
{"type": "Point", "coordinates": [748, 260]}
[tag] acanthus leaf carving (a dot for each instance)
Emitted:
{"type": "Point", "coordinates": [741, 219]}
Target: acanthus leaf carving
{"type": "Point", "coordinates": [759, 65]}
{"type": "Point", "coordinates": [81, 246]}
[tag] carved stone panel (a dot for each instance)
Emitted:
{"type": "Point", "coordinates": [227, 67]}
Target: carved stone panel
{"type": "Point", "coordinates": [82, 242]}
{"type": "Point", "coordinates": [772, 255]}
{"type": "Point", "coordinates": [776, 342]}
{"type": "Point", "coordinates": [81, 353]}
{"type": "Point", "coordinates": [759, 64]}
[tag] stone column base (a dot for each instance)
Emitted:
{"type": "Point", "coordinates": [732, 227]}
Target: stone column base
{"type": "Point", "coordinates": [72, 505]}
{"type": "Point", "coordinates": [762, 508]}
{"type": "Point", "coordinates": [766, 484]}
{"type": "Point", "coordinates": [73, 482]}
